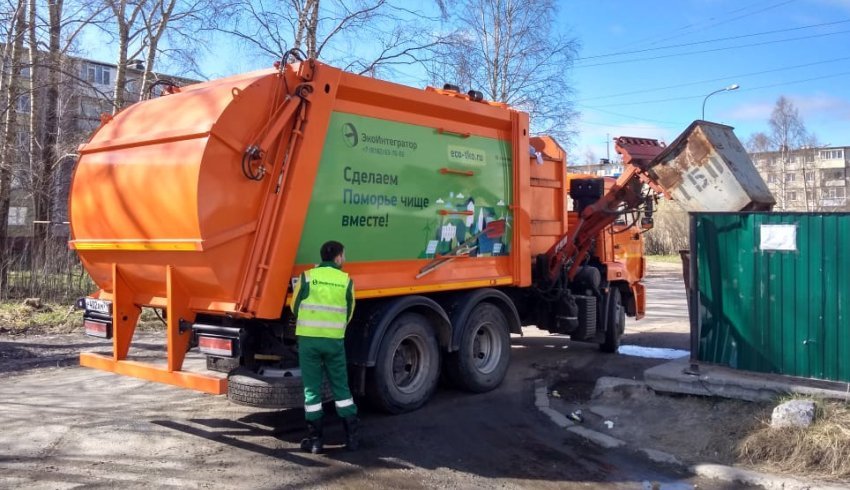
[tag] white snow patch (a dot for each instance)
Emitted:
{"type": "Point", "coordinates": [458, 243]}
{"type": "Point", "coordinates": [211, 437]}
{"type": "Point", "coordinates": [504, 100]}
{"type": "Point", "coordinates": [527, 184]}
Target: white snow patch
{"type": "Point", "coordinates": [652, 352]}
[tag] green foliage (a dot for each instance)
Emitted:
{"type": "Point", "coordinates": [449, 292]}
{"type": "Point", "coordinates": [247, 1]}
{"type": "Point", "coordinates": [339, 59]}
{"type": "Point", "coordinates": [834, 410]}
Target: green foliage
{"type": "Point", "coordinates": [17, 317]}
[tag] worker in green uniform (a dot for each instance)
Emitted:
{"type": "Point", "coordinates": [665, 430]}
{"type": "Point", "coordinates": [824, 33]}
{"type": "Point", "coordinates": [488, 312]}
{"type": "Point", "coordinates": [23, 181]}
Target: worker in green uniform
{"type": "Point", "coordinates": [323, 306]}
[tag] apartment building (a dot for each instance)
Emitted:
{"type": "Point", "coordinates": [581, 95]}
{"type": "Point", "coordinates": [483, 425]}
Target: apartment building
{"type": "Point", "coordinates": [85, 95]}
{"type": "Point", "coordinates": [605, 168]}
{"type": "Point", "coordinates": [807, 179]}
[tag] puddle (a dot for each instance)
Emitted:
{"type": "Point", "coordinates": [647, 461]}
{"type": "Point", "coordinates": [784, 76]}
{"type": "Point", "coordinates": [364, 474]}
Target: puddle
{"type": "Point", "coordinates": [666, 486]}
{"type": "Point", "coordinates": [652, 352]}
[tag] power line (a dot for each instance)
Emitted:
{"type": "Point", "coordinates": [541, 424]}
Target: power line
{"type": "Point", "coordinates": [696, 43]}
{"type": "Point", "coordinates": [727, 48]}
{"type": "Point", "coordinates": [653, 39]}
{"type": "Point", "coordinates": [739, 76]}
{"type": "Point", "coordinates": [689, 97]}
{"type": "Point", "coordinates": [771, 7]}
{"type": "Point", "coordinates": [781, 84]}
{"type": "Point", "coordinates": [654, 121]}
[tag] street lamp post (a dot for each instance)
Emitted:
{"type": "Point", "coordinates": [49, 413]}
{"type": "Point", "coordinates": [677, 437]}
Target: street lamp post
{"type": "Point", "coordinates": [734, 86]}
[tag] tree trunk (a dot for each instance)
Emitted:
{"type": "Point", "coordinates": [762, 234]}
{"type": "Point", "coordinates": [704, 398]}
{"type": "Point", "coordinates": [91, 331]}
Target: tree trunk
{"type": "Point", "coordinates": [120, 68]}
{"type": "Point", "coordinates": [49, 149]}
{"type": "Point", "coordinates": [39, 168]}
{"type": "Point", "coordinates": [154, 35]}
{"type": "Point", "coordinates": [125, 25]}
{"type": "Point", "coordinates": [10, 130]}
{"type": "Point", "coordinates": [304, 21]}
{"type": "Point", "coordinates": [312, 30]}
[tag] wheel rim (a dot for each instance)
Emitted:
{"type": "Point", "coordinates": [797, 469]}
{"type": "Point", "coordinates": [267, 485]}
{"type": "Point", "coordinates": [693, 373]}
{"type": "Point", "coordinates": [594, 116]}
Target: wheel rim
{"type": "Point", "coordinates": [409, 364]}
{"type": "Point", "coordinates": [486, 348]}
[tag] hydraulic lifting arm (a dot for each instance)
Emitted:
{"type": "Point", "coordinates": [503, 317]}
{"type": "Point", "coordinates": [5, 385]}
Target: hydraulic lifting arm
{"type": "Point", "coordinates": [626, 194]}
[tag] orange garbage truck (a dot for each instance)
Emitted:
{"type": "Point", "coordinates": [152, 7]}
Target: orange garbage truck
{"type": "Point", "coordinates": [209, 202]}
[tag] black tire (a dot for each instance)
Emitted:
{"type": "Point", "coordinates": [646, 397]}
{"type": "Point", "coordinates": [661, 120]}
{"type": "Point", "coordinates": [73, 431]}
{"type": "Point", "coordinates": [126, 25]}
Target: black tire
{"type": "Point", "coordinates": [407, 367]}
{"type": "Point", "coordinates": [615, 321]}
{"type": "Point", "coordinates": [245, 387]}
{"type": "Point", "coordinates": [484, 353]}
{"type": "Point", "coordinates": [222, 364]}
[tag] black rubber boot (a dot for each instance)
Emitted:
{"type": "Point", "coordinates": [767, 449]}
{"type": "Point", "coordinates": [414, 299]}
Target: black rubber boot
{"type": "Point", "coordinates": [352, 433]}
{"type": "Point", "coordinates": [313, 443]}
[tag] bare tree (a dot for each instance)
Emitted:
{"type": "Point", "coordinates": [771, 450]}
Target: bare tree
{"type": "Point", "coordinates": [509, 50]}
{"type": "Point", "coordinates": [39, 169]}
{"type": "Point", "coordinates": [811, 177]}
{"type": "Point", "coordinates": [759, 143]}
{"type": "Point", "coordinates": [12, 91]}
{"type": "Point", "coordinates": [162, 17]}
{"type": "Point", "coordinates": [787, 134]}
{"type": "Point", "coordinates": [590, 157]}
{"type": "Point", "coordinates": [335, 31]}
{"type": "Point", "coordinates": [49, 151]}
{"type": "Point", "coordinates": [127, 15]}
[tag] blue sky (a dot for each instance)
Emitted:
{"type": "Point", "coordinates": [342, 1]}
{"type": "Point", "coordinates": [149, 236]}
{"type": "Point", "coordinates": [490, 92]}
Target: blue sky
{"type": "Point", "coordinates": [645, 66]}
{"type": "Point", "coordinates": [655, 90]}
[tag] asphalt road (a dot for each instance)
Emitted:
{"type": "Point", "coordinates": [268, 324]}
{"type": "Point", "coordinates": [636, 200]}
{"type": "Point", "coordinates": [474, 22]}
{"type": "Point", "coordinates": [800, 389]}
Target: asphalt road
{"type": "Point", "coordinates": [66, 427]}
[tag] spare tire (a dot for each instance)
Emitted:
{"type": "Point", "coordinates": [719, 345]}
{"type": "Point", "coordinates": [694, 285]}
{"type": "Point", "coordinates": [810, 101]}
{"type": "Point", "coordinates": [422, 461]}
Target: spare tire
{"type": "Point", "coordinates": [245, 387]}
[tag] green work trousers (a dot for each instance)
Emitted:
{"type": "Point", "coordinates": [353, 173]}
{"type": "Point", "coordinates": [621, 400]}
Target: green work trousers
{"type": "Point", "coordinates": [316, 356]}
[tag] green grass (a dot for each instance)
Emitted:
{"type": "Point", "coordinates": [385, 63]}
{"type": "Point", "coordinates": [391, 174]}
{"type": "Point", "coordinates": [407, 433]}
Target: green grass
{"type": "Point", "coordinates": [18, 318]}
{"type": "Point", "coordinates": [55, 318]}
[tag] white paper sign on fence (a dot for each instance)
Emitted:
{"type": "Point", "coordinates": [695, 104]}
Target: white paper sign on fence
{"type": "Point", "coordinates": [779, 237]}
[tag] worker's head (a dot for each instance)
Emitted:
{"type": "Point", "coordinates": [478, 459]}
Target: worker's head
{"type": "Point", "coordinates": [333, 251]}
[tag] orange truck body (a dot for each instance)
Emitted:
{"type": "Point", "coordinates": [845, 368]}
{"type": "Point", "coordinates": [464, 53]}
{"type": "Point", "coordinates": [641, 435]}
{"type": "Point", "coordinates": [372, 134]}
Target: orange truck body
{"type": "Point", "coordinates": [210, 201]}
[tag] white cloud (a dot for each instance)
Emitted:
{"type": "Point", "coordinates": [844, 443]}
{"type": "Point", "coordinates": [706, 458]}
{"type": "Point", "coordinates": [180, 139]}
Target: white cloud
{"type": "Point", "coordinates": [819, 107]}
{"type": "Point", "coordinates": [823, 107]}
{"type": "Point", "coordinates": [751, 111]}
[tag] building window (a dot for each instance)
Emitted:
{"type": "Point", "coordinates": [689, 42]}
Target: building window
{"type": "Point", "coordinates": [791, 196]}
{"type": "Point", "coordinates": [98, 74]}
{"type": "Point", "coordinates": [23, 141]}
{"type": "Point", "coordinates": [772, 179]}
{"type": "Point", "coordinates": [17, 216]}
{"type": "Point", "coordinates": [833, 193]}
{"type": "Point", "coordinates": [810, 176]}
{"type": "Point", "coordinates": [810, 157]}
{"type": "Point", "coordinates": [22, 105]}
{"type": "Point", "coordinates": [790, 177]}
{"type": "Point", "coordinates": [832, 154]}
{"type": "Point", "coordinates": [833, 174]}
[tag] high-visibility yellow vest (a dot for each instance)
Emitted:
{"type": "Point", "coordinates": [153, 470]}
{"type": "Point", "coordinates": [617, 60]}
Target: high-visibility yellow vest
{"type": "Point", "coordinates": [324, 312]}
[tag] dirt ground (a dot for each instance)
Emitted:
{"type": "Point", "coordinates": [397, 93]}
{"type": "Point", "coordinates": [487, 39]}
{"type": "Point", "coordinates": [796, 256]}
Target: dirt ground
{"type": "Point", "coordinates": [693, 429]}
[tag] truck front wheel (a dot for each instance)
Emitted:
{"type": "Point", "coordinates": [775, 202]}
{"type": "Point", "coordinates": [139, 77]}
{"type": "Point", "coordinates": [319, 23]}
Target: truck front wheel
{"type": "Point", "coordinates": [407, 366]}
{"type": "Point", "coordinates": [484, 353]}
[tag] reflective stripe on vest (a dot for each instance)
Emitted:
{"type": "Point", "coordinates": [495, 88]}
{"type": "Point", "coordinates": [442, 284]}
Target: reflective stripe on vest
{"type": "Point", "coordinates": [324, 312]}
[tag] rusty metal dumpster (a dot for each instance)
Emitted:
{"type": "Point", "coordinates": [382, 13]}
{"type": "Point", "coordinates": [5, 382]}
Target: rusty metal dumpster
{"type": "Point", "coordinates": [707, 169]}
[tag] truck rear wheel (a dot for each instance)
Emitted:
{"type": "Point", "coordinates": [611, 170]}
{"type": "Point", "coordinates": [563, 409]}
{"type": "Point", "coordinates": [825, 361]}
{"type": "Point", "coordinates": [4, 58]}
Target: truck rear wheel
{"type": "Point", "coordinates": [484, 353]}
{"type": "Point", "coordinates": [615, 321]}
{"type": "Point", "coordinates": [407, 366]}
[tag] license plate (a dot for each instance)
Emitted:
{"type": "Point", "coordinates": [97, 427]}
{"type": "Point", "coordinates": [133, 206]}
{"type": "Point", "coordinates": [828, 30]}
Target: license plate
{"type": "Point", "coordinates": [99, 306]}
